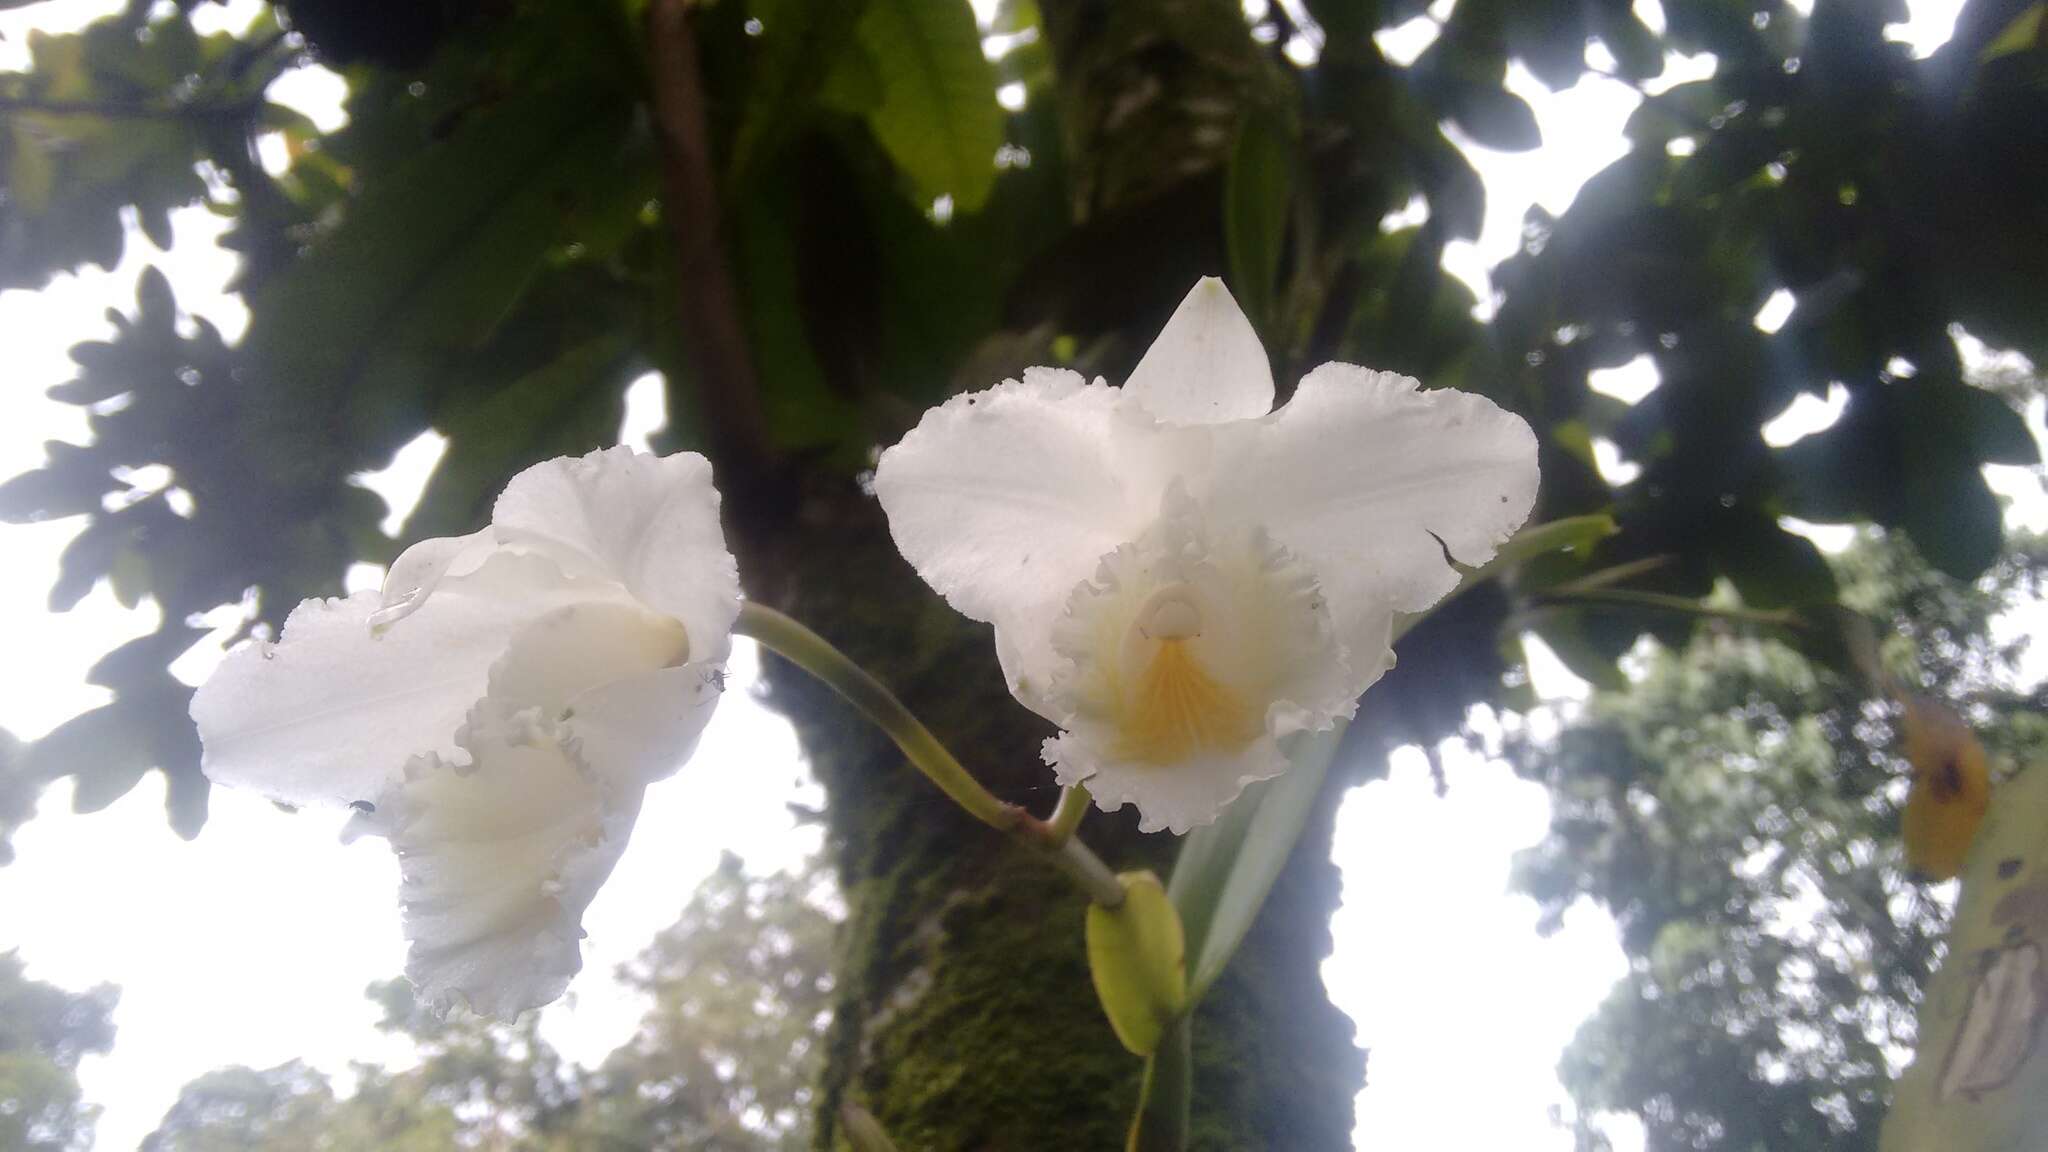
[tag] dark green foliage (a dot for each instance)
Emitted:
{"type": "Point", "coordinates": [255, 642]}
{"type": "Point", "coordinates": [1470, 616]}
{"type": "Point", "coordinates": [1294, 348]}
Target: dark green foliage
{"type": "Point", "coordinates": [44, 1032]}
{"type": "Point", "coordinates": [391, 33]}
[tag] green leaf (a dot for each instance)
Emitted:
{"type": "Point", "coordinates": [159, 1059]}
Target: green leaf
{"type": "Point", "coordinates": [1683, 110]}
{"type": "Point", "coordinates": [1226, 869]}
{"type": "Point", "coordinates": [1637, 54]}
{"type": "Point", "coordinates": [1497, 118]}
{"type": "Point", "coordinates": [1138, 959]}
{"type": "Point", "coordinates": [1770, 567]}
{"type": "Point", "coordinates": [1161, 1123]}
{"type": "Point", "coordinates": [100, 749]}
{"type": "Point", "coordinates": [854, 86]}
{"type": "Point", "coordinates": [569, 405]}
{"type": "Point", "coordinates": [2023, 34]}
{"type": "Point", "coordinates": [1566, 534]}
{"type": "Point", "coordinates": [1953, 518]}
{"type": "Point", "coordinates": [938, 118]}
{"type": "Point", "coordinates": [1979, 1080]}
{"type": "Point", "coordinates": [427, 263]}
{"type": "Point", "coordinates": [1566, 634]}
{"type": "Point", "coordinates": [1255, 196]}
{"type": "Point", "coordinates": [803, 60]}
{"type": "Point", "coordinates": [1977, 422]}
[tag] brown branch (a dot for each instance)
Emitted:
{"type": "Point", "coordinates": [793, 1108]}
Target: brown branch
{"type": "Point", "coordinates": [727, 388]}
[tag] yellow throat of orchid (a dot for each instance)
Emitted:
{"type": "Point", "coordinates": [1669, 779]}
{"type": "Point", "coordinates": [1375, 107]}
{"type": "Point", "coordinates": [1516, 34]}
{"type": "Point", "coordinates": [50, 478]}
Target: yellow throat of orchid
{"type": "Point", "coordinates": [1173, 708]}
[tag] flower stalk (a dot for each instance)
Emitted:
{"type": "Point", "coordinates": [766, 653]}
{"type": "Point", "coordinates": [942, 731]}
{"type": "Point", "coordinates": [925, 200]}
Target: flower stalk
{"type": "Point", "coordinates": [1068, 813]}
{"type": "Point", "coordinates": [791, 640]}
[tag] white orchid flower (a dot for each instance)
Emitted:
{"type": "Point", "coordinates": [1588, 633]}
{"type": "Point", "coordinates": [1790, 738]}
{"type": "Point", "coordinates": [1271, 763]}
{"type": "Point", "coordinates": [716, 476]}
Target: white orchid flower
{"type": "Point", "coordinates": [1179, 576]}
{"type": "Point", "coordinates": [499, 709]}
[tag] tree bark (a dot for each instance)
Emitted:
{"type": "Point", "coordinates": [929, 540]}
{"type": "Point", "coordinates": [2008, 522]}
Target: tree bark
{"type": "Point", "coordinates": [965, 1017]}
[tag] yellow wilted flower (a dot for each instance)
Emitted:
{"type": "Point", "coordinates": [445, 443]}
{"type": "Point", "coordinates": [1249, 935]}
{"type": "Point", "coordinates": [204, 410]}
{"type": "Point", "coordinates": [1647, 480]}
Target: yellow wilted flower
{"type": "Point", "coordinates": [1951, 788]}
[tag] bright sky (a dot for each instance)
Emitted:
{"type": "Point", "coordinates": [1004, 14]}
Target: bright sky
{"type": "Point", "coordinates": [1433, 959]}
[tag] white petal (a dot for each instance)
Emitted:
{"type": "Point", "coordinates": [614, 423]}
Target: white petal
{"type": "Point", "coordinates": [1207, 365]}
{"type": "Point", "coordinates": [1173, 797]}
{"type": "Point", "coordinates": [1005, 499]}
{"type": "Point", "coordinates": [644, 728]}
{"type": "Point", "coordinates": [501, 856]}
{"type": "Point", "coordinates": [648, 522]}
{"type": "Point", "coordinates": [1372, 480]}
{"type": "Point", "coordinates": [498, 861]}
{"type": "Point", "coordinates": [1030, 664]}
{"type": "Point", "coordinates": [332, 712]}
{"type": "Point", "coordinates": [578, 648]}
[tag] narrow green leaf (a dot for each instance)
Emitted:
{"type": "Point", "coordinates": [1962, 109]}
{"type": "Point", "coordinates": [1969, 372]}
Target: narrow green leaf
{"type": "Point", "coordinates": [1161, 1123]}
{"type": "Point", "coordinates": [1255, 196]}
{"type": "Point", "coordinates": [938, 118]}
{"type": "Point", "coordinates": [1138, 959]}
{"type": "Point", "coordinates": [1979, 1080]}
{"type": "Point", "coordinates": [1226, 869]}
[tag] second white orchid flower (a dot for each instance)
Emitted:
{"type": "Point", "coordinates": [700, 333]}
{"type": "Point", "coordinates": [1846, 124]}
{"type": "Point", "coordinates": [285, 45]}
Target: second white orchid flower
{"type": "Point", "coordinates": [499, 709]}
{"type": "Point", "coordinates": [1180, 576]}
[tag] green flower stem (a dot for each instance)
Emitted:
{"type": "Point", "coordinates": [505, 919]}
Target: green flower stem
{"type": "Point", "coordinates": [1067, 814]}
{"type": "Point", "coordinates": [814, 654]}
{"type": "Point", "coordinates": [1080, 864]}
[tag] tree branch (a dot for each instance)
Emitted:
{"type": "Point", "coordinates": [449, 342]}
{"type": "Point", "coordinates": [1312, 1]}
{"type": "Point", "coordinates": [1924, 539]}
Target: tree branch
{"type": "Point", "coordinates": [727, 388]}
{"type": "Point", "coordinates": [239, 110]}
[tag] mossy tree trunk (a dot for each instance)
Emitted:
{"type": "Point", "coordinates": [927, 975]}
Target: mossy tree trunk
{"type": "Point", "coordinates": [965, 1015]}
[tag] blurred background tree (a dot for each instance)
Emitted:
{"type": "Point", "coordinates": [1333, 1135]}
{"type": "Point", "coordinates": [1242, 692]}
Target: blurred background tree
{"type": "Point", "coordinates": [814, 218]}
{"type": "Point", "coordinates": [1737, 808]}
{"type": "Point", "coordinates": [724, 1061]}
{"type": "Point", "coordinates": [44, 1031]}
